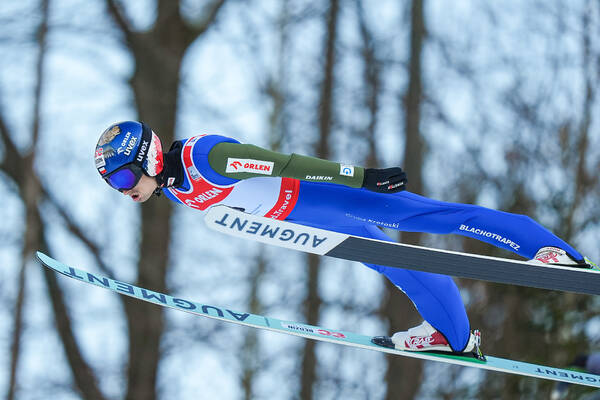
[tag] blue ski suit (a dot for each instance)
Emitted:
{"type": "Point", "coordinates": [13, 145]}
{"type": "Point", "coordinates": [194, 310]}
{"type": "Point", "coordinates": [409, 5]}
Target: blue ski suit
{"type": "Point", "coordinates": [361, 212]}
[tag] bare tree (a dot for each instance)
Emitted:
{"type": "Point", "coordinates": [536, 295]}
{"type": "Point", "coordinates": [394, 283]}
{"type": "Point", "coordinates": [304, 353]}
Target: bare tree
{"type": "Point", "coordinates": [404, 375]}
{"type": "Point", "coordinates": [21, 169]}
{"type": "Point", "coordinates": [158, 53]}
{"type": "Point", "coordinates": [273, 87]}
{"type": "Point", "coordinates": [313, 301]}
{"type": "Point", "coordinates": [542, 138]}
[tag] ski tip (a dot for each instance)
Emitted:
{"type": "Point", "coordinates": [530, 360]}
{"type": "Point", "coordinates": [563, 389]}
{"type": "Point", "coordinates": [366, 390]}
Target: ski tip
{"type": "Point", "coordinates": [383, 341]}
{"type": "Point", "coordinates": [43, 258]}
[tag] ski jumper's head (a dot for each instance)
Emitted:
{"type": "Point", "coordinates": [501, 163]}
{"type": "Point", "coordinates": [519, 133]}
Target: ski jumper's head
{"type": "Point", "coordinates": [125, 152]}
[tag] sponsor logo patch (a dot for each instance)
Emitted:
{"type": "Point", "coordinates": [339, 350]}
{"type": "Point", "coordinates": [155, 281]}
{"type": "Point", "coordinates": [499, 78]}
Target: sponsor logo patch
{"type": "Point", "coordinates": [346, 170]}
{"type": "Point", "coordinates": [300, 236]}
{"type": "Point", "coordinates": [318, 178]}
{"type": "Point", "coordinates": [124, 143]}
{"type": "Point", "coordinates": [312, 329]}
{"type": "Point", "coordinates": [99, 158]}
{"type": "Point", "coordinates": [237, 165]}
{"type": "Point", "coordinates": [492, 235]}
{"type": "Point", "coordinates": [204, 196]}
{"type": "Point", "coordinates": [194, 173]}
{"type": "Point", "coordinates": [143, 149]}
{"type": "Point", "coordinates": [418, 342]}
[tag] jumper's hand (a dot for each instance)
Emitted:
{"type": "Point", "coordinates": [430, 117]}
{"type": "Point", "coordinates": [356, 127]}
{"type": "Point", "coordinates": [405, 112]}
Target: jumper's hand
{"type": "Point", "coordinates": [387, 180]}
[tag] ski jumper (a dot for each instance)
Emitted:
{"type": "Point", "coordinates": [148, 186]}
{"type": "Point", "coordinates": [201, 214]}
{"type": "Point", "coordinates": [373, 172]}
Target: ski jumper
{"type": "Point", "coordinates": [328, 195]}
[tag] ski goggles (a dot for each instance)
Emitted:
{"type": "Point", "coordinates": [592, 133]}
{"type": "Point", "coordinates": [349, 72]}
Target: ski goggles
{"type": "Point", "coordinates": [125, 177]}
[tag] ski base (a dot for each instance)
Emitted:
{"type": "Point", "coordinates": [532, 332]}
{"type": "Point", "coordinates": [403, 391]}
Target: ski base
{"type": "Point", "coordinates": [313, 332]}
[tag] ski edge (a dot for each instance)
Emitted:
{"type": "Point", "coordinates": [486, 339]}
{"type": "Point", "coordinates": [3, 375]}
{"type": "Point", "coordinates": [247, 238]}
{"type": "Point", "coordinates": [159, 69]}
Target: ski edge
{"type": "Point", "coordinates": [312, 332]}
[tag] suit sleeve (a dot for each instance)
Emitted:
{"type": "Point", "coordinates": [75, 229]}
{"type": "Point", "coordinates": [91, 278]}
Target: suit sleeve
{"type": "Point", "coordinates": [243, 161]}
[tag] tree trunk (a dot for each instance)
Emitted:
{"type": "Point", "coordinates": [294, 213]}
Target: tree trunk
{"type": "Point", "coordinates": [158, 54]}
{"type": "Point", "coordinates": [313, 300]}
{"type": "Point", "coordinates": [155, 85]}
{"type": "Point", "coordinates": [403, 375]}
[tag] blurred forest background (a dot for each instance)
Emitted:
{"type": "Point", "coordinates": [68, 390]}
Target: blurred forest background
{"type": "Point", "coordinates": [492, 103]}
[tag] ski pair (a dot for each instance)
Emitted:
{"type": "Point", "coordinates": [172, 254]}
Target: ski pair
{"type": "Point", "coordinates": [372, 251]}
{"type": "Point", "coordinates": [315, 332]}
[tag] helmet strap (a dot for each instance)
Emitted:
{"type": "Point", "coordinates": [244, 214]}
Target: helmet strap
{"type": "Point", "coordinates": [159, 180]}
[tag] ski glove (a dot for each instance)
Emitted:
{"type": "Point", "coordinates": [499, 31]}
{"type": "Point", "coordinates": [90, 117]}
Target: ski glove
{"type": "Point", "coordinates": [387, 180]}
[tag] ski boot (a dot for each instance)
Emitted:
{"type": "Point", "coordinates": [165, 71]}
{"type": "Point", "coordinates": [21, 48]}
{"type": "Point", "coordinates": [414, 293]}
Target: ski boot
{"type": "Point", "coordinates": [426, 338]}
{"type": "Point", "coordinates": [557, 256]}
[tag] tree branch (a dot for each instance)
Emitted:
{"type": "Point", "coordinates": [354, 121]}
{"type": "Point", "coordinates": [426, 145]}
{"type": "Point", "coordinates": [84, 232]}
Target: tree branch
{"type": "Point", "coordinates": [74, 228]}
{"type": "Point", "coordinates": [13, 162]}
{"type": "Point", "coordinates": [200, 26]}
{"type": "Point", "coordinates": [30, 190]}
{"type": "Point", "coordinates": [119, 17]}
{"type": "Point", "coordinates": [84, 377]}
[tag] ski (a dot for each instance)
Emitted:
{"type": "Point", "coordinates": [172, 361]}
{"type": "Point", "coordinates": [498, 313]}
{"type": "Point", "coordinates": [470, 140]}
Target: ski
{"type": "Point", "coordinates": [313, 332]}
{"type": "Point", "coordinates": [372, 251]}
